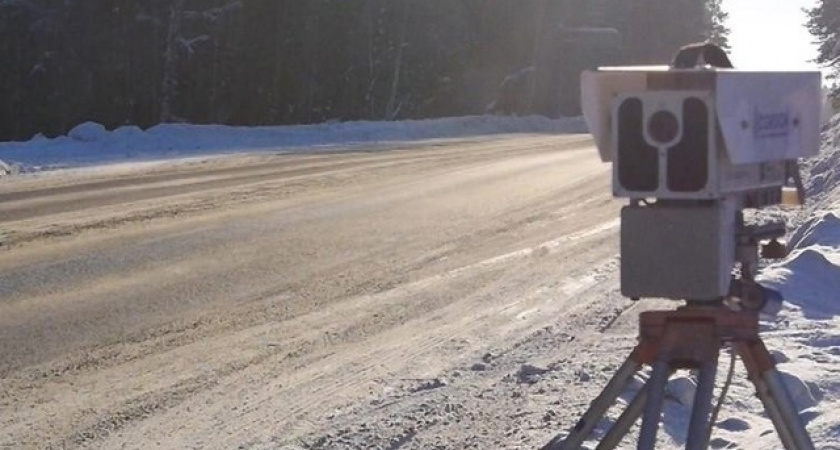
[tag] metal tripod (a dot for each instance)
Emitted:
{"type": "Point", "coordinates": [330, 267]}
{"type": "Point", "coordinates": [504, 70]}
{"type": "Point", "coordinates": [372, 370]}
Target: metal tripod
{"type": "Point", "coordinates": [689, 338]}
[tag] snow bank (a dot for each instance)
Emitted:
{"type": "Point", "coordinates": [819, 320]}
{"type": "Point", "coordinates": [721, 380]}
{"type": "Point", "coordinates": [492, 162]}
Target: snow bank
{"type": "Point", "coordinates": [823, 171]}
{"type": "Point", "coordinates": [88, 132]}
{"type": "Point", "coordinates": [90, 143]}
{"type": "Point", "coordinates": [810, 279]}
{"type": "Point", "coordinates": [5, 168]}
{"type": "Point", "coordinates": [821, 228]}
{"type": "Point", "coordinates": [810, 276]}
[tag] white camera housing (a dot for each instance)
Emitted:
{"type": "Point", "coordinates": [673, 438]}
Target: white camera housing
{"type": "Point", "coordinates": [691, 148]}
{"type": "Point", "coordinates": [700, 133]}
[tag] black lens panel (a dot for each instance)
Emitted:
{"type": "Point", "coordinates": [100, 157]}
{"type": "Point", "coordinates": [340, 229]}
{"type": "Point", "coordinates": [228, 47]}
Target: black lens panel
{"type": "Point", "coordinates": [688, 160]}
{"type": "Point", "coordinates": [638, 162]}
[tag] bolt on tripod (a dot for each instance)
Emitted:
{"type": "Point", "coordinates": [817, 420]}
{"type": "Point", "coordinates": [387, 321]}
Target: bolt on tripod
{"type": "Point", "coordinates": [689, 338]}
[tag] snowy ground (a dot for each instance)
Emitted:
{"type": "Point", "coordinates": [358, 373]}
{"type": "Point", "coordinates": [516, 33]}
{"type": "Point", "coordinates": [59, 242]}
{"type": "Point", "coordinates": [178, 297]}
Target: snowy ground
{"type": "Point", "coordinates": [805, 336]}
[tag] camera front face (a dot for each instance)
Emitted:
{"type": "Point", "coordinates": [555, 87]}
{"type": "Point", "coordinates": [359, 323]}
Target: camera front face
{"type": "Point", "coordinates": [665, 145]}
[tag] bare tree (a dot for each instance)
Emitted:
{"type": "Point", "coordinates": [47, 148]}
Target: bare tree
{"type": "Point", "coordinates": [393, 108]}
{"type": "Point", "coordinates": [169, 85]}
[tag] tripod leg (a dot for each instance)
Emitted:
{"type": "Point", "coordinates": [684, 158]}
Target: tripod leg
{"type": "Point", "coordinates": [699, 426]}
{"type": "Point", "coordinates": [598, 407]}
{"type": "Point", "coordinates": [787, 416]}
{"type": "Point", "coordinates": [653, 407]}
{"type": "Point", "coordinates": [626, 420]}
{"type": "Point", "coordinates": [772, 410]}
{"type": "Point", "coordinates": [774, 395]}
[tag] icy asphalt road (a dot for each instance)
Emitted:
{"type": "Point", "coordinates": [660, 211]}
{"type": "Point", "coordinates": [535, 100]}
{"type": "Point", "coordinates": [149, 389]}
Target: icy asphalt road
{"type": "Point", "coordinates": [263, 301]}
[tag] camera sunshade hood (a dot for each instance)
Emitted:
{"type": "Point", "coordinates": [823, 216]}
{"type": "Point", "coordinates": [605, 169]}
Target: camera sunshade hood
{"type": "Point", "coordinates": [762, 115]}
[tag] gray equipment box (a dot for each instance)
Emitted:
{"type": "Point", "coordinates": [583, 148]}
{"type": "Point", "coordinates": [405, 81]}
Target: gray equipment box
{"type": "Point", "coordinates": [677, 252]}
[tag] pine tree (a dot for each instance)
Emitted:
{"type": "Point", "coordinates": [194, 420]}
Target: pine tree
{"type": "Point", "coordinates": [23, 64]}
{"type": "Point", "coordinates": [717, 32]}
{"type": "Point", "coordinates": [824, 24]}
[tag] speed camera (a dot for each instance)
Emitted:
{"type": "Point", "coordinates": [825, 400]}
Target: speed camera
{"type": "Point", "coordinates": [695, 147]}
{"type": "Point", "coordinates": [691, 148]}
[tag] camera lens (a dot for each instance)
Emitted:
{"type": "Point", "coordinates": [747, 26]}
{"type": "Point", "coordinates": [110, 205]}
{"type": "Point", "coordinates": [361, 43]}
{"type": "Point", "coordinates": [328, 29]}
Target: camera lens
{"type": "Point", "coordinates": [663, 127]}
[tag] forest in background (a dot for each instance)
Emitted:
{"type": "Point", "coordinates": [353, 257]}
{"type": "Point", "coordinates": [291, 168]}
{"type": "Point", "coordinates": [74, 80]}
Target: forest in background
{"type": "Point", "coordinates": [824, 24]}
{"type": "Point", "coordinates": [270, 62]}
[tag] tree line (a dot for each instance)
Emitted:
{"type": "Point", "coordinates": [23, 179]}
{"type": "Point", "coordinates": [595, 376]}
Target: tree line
{"type": "Point", "coordinates": [267, 62]}
{"type": "Point", "coordinates": [824, 25]}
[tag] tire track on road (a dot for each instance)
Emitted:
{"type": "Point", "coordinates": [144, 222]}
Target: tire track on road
{"type": "Point", "coordinates": [70, 210]}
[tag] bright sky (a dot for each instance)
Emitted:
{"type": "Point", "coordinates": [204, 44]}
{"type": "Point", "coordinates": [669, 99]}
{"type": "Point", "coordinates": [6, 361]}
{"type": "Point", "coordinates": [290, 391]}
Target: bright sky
{"type": "Point", "coordinates": [770, 34]}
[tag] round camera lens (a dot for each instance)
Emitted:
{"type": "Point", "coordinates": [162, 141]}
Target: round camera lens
{"type": "Point", "coordinates": [663, 127]}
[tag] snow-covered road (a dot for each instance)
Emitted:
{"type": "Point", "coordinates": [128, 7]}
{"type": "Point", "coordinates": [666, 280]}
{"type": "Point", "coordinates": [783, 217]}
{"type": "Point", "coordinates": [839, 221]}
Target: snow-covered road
{"type": "Point", "coordinates": [410, 337]}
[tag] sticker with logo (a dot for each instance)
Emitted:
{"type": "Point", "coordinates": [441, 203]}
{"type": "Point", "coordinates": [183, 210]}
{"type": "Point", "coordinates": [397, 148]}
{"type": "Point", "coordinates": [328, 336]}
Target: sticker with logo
{"type": "Point", "coordinates": [771, 123]}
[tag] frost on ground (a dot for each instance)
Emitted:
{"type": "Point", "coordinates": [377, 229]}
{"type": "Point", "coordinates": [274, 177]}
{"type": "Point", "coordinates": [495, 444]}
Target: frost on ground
{"type": "Point", "coordinates": [91, 144]}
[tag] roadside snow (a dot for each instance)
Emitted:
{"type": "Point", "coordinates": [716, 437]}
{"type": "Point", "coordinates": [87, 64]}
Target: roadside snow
{"type": "Point", "coordinates": [91, 144]}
